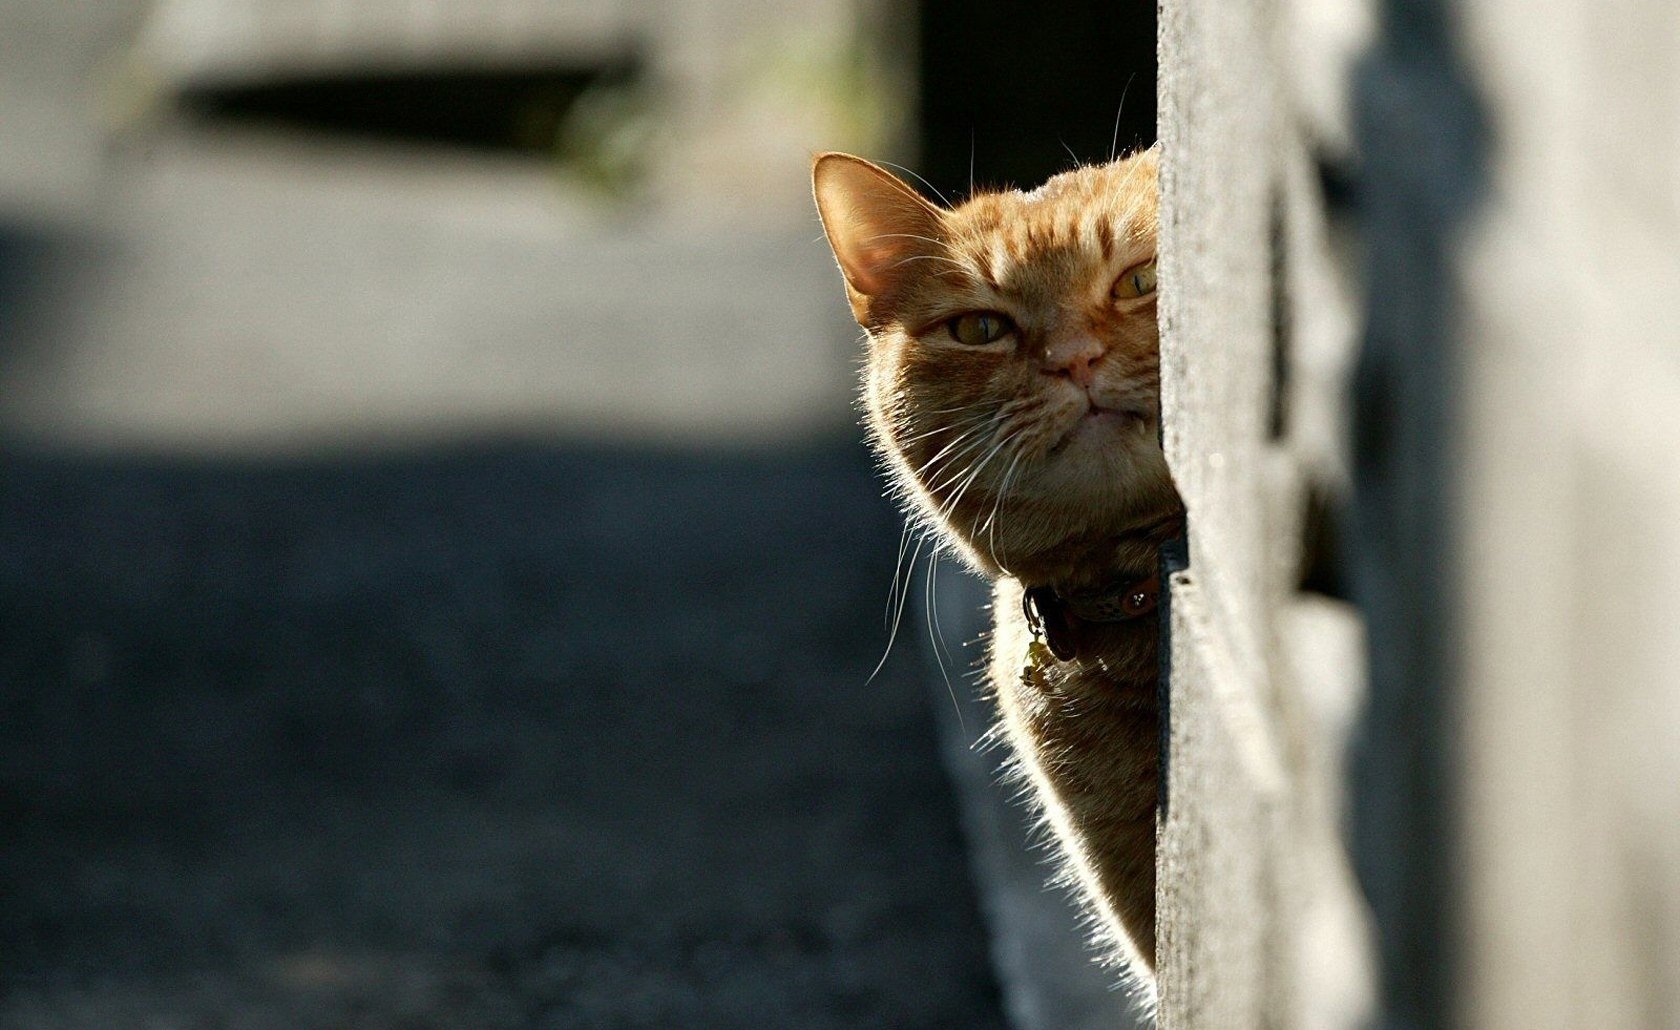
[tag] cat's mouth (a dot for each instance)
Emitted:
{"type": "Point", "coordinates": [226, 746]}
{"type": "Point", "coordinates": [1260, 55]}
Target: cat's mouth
{"type": "Point", "coordinates": [1099, 415]}
{"type": "Point", "coordinates": [1099, 423]}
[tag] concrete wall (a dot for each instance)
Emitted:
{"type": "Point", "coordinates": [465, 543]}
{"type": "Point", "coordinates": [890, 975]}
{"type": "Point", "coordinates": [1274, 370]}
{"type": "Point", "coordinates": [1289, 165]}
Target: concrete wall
{"type": "Point", "coordinates": [1258, 920]}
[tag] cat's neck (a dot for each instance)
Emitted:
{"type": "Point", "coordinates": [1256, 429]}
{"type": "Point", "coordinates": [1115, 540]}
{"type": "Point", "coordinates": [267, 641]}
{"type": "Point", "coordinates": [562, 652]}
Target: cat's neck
{"type": "Point", "coordinates": [1101, 562]}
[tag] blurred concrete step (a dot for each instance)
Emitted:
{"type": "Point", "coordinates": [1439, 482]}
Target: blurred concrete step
{"type": "Point", "coordinates": [252, 39]}
{"type": "Point", "coordinates": [267, 292]}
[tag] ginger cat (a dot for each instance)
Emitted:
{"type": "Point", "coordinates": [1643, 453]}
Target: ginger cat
{"type": "Point", "coordinates": [1012, 388]}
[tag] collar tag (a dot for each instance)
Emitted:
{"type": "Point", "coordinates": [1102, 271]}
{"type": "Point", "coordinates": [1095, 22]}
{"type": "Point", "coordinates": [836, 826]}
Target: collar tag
{"type": "Point", "coordinates": [1054, 619]}
{"type": "Point", "coordinates": [1048, 619]}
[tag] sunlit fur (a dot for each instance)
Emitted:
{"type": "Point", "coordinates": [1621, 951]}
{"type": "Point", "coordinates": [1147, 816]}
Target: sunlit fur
{"type": "Point", "coordinates": [1006, 450]}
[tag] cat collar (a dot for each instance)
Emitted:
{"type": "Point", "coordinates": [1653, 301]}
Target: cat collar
{"type": "Point", "coordinates": [1056, 619]}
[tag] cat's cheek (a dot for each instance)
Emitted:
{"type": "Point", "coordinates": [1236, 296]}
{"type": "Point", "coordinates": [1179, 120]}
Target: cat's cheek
{"type": "Point", "coordinates": [883, 391]}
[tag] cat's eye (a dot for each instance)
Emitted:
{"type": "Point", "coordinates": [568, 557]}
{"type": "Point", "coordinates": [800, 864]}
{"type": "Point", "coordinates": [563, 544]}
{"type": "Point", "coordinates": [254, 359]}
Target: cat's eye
{"type": "Point", "coordinates": [978, 328]}
{"type": "Point", "coordinates": [1136, 281]}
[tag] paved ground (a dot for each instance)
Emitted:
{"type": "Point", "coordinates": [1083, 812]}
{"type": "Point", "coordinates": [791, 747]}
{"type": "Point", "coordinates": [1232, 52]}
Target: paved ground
{"type": "Point", "coordinates": [502, 737]}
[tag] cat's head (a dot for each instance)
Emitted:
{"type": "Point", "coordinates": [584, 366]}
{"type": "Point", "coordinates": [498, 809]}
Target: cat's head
{"type": "Point", "coordinates": [1013, 378]}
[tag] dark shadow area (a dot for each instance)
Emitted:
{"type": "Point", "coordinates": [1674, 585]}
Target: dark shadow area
{"type": "Point", "coordinates": [1323, 565]}
{"type": "Point", "coordinates": [1014, 98]}
{"type": "Point", "coordinates": [1282, 319]}
{"type": "Point", "coordinates": [513, 736]}
{"type": "Point", "coordinates": [34, 262]}
{"type": "Point", "coordinates": [1423, 141]}
{"type": "Point", "coordinates": [520, 110]}
{"type": "Point", "coordinates": [23, 254]}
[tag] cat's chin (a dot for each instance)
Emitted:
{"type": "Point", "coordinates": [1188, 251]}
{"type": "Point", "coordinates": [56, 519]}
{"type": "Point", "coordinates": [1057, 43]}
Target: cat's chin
{"type": "Point", "coordinates": [1105, 480]}
{"type": "Point", "coordinates": [1107, 466]}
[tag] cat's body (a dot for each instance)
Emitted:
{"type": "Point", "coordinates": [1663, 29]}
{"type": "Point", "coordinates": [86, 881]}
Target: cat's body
{"type": "Point", "coordinates": [1013, 390]}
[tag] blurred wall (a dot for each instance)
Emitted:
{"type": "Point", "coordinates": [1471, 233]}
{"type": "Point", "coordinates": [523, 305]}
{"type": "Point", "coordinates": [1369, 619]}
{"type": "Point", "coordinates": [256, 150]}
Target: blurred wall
{"type": "Point", "coordinates": [1520, 805]}
{"type": "Point", "coordinates": [224, 276]}
{"type": "Point", "coordinates": [1515, 793]}
{"type": "Point", "coordinates": [1566, 500]}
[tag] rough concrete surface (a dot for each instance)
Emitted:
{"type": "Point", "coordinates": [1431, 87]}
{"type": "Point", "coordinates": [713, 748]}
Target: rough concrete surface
{"type": "Point", "coordinates": [1254, 889]}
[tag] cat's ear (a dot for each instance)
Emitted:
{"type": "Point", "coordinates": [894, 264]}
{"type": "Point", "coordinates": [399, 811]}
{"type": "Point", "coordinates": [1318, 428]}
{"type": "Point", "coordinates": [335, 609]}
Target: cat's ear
{"type": "Point", "coordinates": [876, 224]}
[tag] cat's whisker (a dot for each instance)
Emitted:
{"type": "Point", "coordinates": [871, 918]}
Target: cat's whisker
{"type": "Point", "coordinates": [990, 527]}
{"type": "Point", "coordinates": [948, 509]}
{"type": "Point", "coordinates": [965, 425]}
{"type": "Point", "coordinates": [958, 265]}
{"type": "Point", "coordinates": [1114, 144]}
{"type": "Point", "coordinates": [906, 417]}
{"type": "Point", "coordinates": [935, 431]}
{"type": "Point", "coordinates": [929, 469]}
{"type": "Point", "coordinates": [918, 437]}
{"type": "Point", "coordinates": [971, 159]}
{"type": "Point", "coordinates": [906, 236]}
{"type": "Point", "coordinates": [898, 615]}
{"type": "Point", "coordinates": [993, 424]}
{"type": "Point", "coordinates": [1003, 484]}
{"type": "Point", "coordinates": [961, 407]}
{"type": "Point", "coordinates": [901, 574]}
{"type": "Point", "coordinates": [933, 488]}
{"type": "Point", "coordinates": [972, 439]}
{"type": "Point", "coordinates": [936, 635]}
{"type": "Point", "coordinates": [898, 572]}
{"type": "Point", "coordinates": [920, 179]}
{"type": "Point", "coordinates": [899, 591]}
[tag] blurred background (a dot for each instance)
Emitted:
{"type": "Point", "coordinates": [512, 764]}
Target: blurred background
{"type": "Point", "coordinates": [440, 572]}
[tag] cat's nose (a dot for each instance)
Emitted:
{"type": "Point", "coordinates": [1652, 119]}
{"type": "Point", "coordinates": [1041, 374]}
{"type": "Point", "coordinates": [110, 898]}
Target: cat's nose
{"type": "Point", "coordinates": [1074, 357]}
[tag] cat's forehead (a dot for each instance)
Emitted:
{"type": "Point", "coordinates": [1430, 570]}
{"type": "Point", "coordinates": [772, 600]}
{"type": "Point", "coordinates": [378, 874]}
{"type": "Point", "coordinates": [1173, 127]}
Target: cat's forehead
{"type": "Point", "coordinates": [1117, 198]}
{"type": "Point", "coordinates": [1039, 241]}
